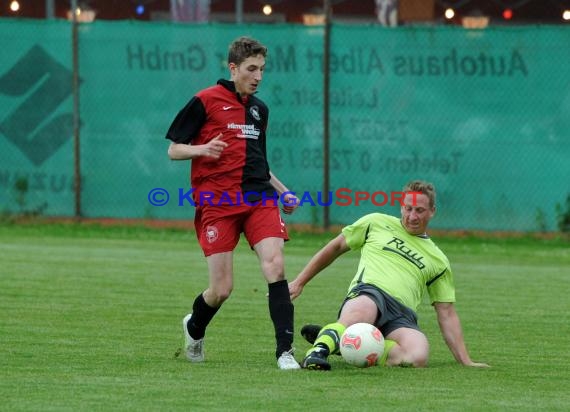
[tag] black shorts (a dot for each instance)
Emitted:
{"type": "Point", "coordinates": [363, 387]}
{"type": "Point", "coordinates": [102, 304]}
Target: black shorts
{"type": "Point", "coordinates": [391, 313]}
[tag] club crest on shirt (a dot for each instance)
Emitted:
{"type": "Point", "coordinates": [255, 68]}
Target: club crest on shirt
{"type": "Point", "coordinates": [211, 234]}
{"type": "Point", "coordinates": [254, 111]}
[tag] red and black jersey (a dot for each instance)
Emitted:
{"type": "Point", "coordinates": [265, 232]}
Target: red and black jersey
{"type": "Point", "coordinates": [242, 168]}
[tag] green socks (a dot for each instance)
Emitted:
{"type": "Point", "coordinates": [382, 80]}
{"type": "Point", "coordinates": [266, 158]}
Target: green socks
{"type": "Point", "coordinates": [388, 345]}
{"type": "Point", "coordinates": [329, 338]}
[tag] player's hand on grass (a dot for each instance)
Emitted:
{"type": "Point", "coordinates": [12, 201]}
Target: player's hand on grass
{"type": "Point", "coordinates": [477, 365]}
{"type": "Point", "coordinates": [214, 147]}
{"type": "Point", "coordinates": [290, 203]}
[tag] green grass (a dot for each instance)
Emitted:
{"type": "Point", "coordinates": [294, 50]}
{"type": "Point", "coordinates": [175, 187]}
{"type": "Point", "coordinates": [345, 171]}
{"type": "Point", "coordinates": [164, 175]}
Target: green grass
{"type": "Point", "coordinates": [90, 320]}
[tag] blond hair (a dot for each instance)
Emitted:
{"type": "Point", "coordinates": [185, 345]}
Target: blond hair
{"type": "Point", "coordinates": [425, 188]}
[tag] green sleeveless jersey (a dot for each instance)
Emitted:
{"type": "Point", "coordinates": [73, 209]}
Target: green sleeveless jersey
{"type": "Point", "coordinates": [401, 264]}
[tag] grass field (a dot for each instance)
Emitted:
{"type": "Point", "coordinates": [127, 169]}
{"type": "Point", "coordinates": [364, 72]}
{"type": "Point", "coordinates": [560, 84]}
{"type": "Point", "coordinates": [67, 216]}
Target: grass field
{"type": "Point", "coordinates": [90, 320]}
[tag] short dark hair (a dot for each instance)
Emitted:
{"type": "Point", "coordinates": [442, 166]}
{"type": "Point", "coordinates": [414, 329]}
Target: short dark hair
{"type": "Point", "coordinates": [425, 188]}
{"type": "Point", "coordinates": [244, 47]}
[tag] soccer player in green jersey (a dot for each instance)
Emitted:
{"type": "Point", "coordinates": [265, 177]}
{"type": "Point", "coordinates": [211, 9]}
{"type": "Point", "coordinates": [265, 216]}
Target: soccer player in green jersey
{"type": "Point", "coordinates": [398, 263]}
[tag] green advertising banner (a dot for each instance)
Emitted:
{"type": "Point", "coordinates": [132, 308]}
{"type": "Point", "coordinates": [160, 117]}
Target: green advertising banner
{"type": "Point", "coordinates": [36, 119]}
{"type": "Point", "coordinates": [484, 115]}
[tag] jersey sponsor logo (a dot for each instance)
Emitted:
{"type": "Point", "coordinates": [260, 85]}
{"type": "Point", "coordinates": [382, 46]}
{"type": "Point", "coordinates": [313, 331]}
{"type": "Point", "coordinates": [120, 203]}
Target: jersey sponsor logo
{"type": "Point", "coordinates": [246, 131]}
{"type": "Point", "coordinates": [400, 248]}
{"type": "Point", "coordinates": [211, 234]}
{"type": "Point", "coordinates": [227, 107]}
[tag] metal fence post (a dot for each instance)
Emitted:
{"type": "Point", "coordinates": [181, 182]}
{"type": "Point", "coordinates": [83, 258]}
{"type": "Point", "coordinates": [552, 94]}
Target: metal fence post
{"type": "Point", "coordinates": [326, 113]}
{"type": "Point", "coordinates": [76, 115]}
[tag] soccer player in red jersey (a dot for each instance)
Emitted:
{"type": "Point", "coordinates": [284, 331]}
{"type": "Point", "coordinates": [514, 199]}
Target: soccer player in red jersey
{"type": "Point", "coordinates": [222, 131]}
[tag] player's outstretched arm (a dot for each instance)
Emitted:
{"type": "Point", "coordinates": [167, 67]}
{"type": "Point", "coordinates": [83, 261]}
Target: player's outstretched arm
{"type": "Point", "coordinates": [321, 260]}
{"type": "Point", "coordinates": [213, 149]}
{"type": "Point", "coordinates": [450, 326]}
{"type": "Point", "coordinates": [289, 201]}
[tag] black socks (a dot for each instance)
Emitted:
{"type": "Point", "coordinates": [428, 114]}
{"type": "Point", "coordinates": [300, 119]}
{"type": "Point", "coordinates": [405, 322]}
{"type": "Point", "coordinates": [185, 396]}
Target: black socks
{"type": "Point", "coordinates": [202, 314]}
{"type": "Point", "coordinates": [282, 313]}
{"type": "Point", "coordinates": [280, 309]}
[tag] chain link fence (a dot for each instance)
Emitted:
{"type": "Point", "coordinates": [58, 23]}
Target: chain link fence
{"type": "Point", "coordinates": [483, 114]}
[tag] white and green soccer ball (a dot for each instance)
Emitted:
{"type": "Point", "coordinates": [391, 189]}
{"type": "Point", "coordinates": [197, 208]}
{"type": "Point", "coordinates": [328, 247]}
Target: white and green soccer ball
{"type": "Point", "coordinates": [362, 345]}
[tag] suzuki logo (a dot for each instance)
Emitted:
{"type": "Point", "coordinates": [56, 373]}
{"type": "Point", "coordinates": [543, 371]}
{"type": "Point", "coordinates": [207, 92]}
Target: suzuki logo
{"type": "Point", "coordinates": [32, 126]}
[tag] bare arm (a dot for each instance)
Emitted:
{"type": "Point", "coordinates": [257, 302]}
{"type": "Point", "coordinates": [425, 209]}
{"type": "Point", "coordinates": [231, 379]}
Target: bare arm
{"type": "Point", "coordinates": [289, 200]}
{"type": "Point", "coordinates": [276, 183]}
{"type": "Point", "coordinates": [450, 327]}
{"type": "Point", "coordinates": [181, 151]}
{"type": "Point", "coordinates": [321, 260]}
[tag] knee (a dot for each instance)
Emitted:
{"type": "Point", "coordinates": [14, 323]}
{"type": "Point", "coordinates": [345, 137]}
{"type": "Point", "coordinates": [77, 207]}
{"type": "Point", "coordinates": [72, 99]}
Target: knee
{"type": "Point", "coordinates": [419, 360]}
{"type": "Point", "coordinates": [414, 357]}
{"type": "Point", "coordinates": [218, 295]}
{"type": "Point", "coordinates": [273, 269]}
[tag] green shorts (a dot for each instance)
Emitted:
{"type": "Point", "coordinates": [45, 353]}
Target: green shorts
{"type": "Point", "coordinates": [392, 314]}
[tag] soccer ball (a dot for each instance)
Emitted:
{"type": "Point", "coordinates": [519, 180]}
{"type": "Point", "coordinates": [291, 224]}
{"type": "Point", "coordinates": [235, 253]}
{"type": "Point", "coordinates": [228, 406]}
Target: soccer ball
{"type": "Point", "coordinates": [362, 345]}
